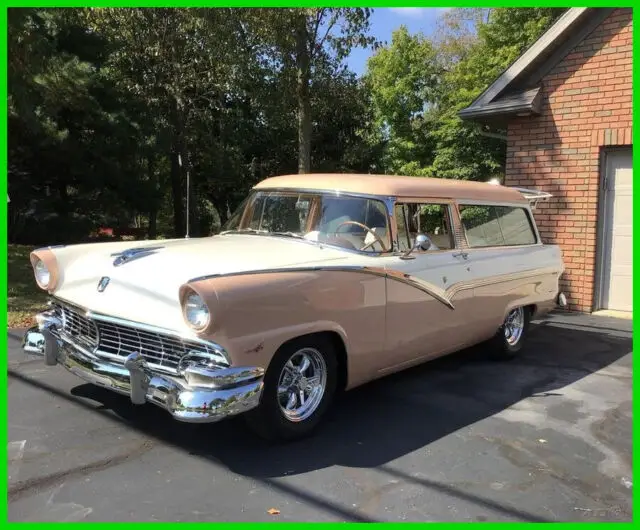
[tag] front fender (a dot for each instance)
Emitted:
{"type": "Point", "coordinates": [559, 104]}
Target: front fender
{"type": "Point", "coordinates": [252, 315]}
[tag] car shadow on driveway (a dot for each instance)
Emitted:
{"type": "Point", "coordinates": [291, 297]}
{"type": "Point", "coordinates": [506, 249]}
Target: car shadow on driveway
{"type": "Point", "coordinates": [382, 421]}
{"type": "Point", "coordinates": [377, 423]}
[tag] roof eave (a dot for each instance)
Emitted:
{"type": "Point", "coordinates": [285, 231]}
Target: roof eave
{"type": "Point", "coordinates": [508, 109]}
{"type": "Point", "coordinates": [543, 43]}
{"type": "Point", "coordinates": [513, 110]}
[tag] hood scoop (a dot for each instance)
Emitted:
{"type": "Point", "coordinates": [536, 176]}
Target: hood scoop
{"type": "Point", "coordinates": [132, 254]}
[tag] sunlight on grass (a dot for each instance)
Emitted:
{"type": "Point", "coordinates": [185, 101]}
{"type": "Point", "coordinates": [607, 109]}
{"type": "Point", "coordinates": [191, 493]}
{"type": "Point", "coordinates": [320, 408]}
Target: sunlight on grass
{"type": "Point", "coordinates": [24, 297]}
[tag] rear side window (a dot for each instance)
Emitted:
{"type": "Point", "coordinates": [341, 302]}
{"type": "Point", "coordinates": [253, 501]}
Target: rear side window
{"type": "Point", "coordinates": [497, 226]}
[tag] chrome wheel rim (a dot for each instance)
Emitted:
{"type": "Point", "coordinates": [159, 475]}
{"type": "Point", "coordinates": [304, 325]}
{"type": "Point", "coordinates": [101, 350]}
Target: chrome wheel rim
{"type": "Point", "coordinates": [514, 326]}
{"type": "Point", "coordinates": [302, 384]}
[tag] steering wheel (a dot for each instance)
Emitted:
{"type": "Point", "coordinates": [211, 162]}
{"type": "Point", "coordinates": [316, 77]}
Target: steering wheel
{"type": "Point", "coordinates": [376, 236]}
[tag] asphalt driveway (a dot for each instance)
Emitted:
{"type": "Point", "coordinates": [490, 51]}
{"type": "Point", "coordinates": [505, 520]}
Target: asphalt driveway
{"type": "Point", "coordinates": [546, 437]}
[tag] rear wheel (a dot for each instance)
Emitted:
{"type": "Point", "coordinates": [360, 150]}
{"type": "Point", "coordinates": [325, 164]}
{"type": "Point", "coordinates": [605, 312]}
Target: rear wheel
{"type": "Point", "coordinates": [510, 338]}
{"type": "Point", "coordinates": [298, 388]}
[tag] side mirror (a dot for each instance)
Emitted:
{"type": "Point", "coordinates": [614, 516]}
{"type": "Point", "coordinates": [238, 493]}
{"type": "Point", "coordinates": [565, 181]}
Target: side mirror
{"type": "Point", "coordinates": [422, 242]}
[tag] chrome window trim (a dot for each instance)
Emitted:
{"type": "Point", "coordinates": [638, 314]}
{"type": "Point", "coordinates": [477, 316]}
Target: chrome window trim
{"type": "Point", "coordinates": [528, 213]}
{"type": "Point", "coordinates": [325, 191]}
{"type": "Point", "coordinates": [448, 203]}
{"type": "Point", "coordinates": [385, 199]}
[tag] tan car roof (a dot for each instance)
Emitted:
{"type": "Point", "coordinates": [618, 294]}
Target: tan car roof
{"type": "Point", "coordinates": [395, 186]}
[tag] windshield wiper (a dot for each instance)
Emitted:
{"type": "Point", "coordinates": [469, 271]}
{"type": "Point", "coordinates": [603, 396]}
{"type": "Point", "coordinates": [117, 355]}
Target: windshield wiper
{"type": "Point", "coordinates": [262, 233]}
{"type": "Point", "coordinates": [287, 234]}
{"type": "Point", "coordinates": [245, 231]}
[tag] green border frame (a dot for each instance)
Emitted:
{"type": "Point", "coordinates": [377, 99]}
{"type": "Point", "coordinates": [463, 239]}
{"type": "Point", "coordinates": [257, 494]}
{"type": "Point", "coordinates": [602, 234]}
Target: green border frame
{"type": "Point", "coordinates": [291, 3]}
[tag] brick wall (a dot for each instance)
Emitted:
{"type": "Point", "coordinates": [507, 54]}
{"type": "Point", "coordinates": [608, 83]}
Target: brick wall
{"type": "Point", "coordinates": [586, 106]}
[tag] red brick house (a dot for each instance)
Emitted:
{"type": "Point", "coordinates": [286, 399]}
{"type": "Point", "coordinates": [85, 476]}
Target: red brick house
{"type": "Point", "coordinates": [565, 104]}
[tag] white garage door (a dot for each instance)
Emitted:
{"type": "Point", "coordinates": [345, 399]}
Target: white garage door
{"type": "Point", "coordinates": [617, 269]}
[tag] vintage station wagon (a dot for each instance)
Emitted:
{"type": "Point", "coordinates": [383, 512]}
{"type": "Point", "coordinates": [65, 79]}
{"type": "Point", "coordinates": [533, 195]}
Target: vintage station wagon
{"type": "Point", "coordinates": [318, 283]}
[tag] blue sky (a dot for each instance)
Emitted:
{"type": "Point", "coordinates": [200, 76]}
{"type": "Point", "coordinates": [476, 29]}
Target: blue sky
{"type": "Point", "coordinates": [385, 20]}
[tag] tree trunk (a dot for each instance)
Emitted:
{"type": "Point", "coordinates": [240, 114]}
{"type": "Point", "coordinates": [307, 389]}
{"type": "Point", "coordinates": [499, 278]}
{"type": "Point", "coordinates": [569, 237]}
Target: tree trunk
{"type": "Point", "coordinates": [304, 102]}
{"type": "Point", "coordinates": [176, 169]}
{"type": "Point", "coordinates": [190, 196]}
{"type": "Point", "coordinates": [155, 198]}
{"type": "Point", "coordinates": [221, 203]}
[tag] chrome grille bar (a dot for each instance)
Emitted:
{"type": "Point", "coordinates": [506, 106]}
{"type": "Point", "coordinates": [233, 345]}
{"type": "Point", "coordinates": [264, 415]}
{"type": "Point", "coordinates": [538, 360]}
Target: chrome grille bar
{"type": "Point", "coordinates": [110, 338]}
{"type": "Point", "coordinates": [79, 328]}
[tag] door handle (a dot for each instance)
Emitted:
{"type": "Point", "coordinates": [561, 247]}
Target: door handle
{"type": "Point", "coordinates": [462, 254]}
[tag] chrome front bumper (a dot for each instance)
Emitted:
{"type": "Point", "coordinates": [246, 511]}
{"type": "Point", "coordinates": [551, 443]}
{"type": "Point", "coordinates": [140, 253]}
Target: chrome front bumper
{"type": "Point", "coordinates": [204, 395]}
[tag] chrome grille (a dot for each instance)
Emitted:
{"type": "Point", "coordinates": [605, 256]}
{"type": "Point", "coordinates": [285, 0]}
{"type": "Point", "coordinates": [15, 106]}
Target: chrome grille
{"type": "Point", "coordinates": [117, 340]}
{"type": "Point", "coordinates": [80, 328]}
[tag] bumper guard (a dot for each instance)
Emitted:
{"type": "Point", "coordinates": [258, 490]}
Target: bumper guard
{"type": "Point", "coordinates": [203, 396]}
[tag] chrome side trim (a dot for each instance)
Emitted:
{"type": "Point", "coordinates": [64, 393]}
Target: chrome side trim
{"type": "Point", "coordinates": [391, 274]}
{"type": "Point", "coordinates": [426, 287]}
{"type": "Point", "coordinates": [443, 295]}
{"type": "Point", "coordinates": [452, 290]}
{"type": "Point", "coordinates": [313, 268]}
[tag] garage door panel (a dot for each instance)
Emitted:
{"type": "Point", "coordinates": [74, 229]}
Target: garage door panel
{"type": "Point", "coordinates": [617, 241]}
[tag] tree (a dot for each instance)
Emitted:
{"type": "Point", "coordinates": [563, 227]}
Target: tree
{"type": "Point", "coordinates": [300, 39]}
{"type": "Point", "coordinates": [418, 86]}
{"type": "Point", "coordinates": [502, 35]}
{"type": "Point", "coordinates": [403, 79]}
{"type": "Point", "coordinates": [173, 60]}
{"type": "Point", "coordinates": [71, 139]}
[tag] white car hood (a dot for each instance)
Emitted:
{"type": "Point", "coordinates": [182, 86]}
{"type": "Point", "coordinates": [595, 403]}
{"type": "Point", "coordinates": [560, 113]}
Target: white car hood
{"type": "Point", "coordinates": [145, 289]}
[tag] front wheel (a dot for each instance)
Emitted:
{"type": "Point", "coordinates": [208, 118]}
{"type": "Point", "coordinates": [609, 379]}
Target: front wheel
{"type": "Point", "coordinates": [510, 338]}
{"type": "Point", "coordinates": [298, 388]}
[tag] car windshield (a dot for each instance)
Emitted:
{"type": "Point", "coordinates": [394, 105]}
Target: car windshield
{"type": "Point", "coordinates": [356, 223]}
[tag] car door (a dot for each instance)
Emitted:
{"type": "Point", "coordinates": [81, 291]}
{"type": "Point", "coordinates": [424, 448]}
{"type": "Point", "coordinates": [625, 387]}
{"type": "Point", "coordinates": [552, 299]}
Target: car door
{"type": "Point", "coordinates": [425, 315]}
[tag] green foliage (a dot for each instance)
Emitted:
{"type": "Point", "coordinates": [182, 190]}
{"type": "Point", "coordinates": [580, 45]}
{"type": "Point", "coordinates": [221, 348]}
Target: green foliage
{"type": "Point", "coordinates": [104, 104]}
{"type": "Point", "coordinates": [402, 79]}
{"type": "Point", "coordinates": [418, 87]}
{"type": "Point", "coordinates": [24, 297]}
{"type": "Point", "coordinates": [110, 110]}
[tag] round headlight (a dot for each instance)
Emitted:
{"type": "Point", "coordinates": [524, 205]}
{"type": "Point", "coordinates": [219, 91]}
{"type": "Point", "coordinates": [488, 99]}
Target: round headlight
{"type": "Point", "coordinates": [43, 275]}
{"type": "Point", "coordinates": [195, 311]}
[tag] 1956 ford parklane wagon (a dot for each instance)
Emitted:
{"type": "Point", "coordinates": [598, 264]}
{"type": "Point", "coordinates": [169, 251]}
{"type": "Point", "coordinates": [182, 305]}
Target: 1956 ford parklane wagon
{"type": "Point", "coordinates": [317, 284]}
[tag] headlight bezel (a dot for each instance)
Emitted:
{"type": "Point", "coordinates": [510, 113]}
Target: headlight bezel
{"type": "Point", "coordinates": [44, 258]}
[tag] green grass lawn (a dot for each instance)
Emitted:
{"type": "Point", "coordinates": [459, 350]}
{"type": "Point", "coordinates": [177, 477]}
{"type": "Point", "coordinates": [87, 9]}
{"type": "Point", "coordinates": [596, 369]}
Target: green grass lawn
{"type": "Point", "coordinates": [25, 298]}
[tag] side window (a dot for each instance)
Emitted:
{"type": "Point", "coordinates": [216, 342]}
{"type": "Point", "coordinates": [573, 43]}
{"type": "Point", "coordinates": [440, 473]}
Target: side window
{"type": "Point", "coordinates": [516, 225]}
{"type": "Point", "coordinates": [424, 218]}
{"type": "Point", "coordinates": [496, 226]}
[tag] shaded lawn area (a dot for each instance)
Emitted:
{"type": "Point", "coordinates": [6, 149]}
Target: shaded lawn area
{"type": "Point", "coordinates": [24, 297]}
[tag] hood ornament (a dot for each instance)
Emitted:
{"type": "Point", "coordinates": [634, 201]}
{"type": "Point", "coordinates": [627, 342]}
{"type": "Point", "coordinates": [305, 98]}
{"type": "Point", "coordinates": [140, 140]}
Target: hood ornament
{"type": "Point", "coordinates": [102, 284]}
{"type": "Point", "coordinates": [132, 253]}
